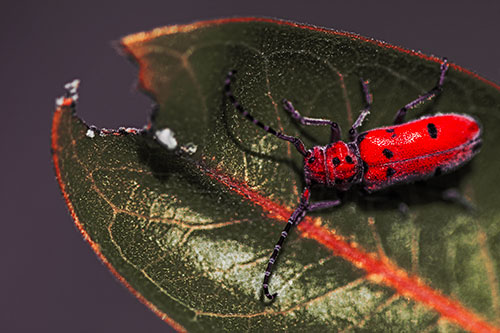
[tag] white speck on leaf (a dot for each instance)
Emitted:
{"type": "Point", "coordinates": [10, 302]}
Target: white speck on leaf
{"type": "Point", "coordinates": [190, 148]}
{"type": "Point", "coordinates": [59, 101]}
{"type": "Point", "coordinates": [166, 138]}
{"type": "Point", "coordinates": [90, 133]}
{"type": "Point", "coordinates": [72, 86]}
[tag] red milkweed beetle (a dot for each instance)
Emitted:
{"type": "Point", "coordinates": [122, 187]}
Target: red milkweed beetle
{"type": "Point", "coordinates": [377, 158]}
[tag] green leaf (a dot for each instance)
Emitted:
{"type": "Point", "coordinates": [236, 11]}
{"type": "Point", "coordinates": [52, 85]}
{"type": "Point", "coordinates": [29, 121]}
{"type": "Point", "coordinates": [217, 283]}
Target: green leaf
{"type": "Point", "coordinates": [190, 235]}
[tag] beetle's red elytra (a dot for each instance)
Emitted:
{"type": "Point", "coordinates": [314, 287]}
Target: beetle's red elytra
{"type": "Point", "coordinates": [417, 149]}
{"type": "Point", "coordinates": [378, 158]}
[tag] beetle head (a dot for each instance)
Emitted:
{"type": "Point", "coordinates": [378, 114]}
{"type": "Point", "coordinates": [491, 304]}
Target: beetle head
{"type": "Point", "coordinates": [314, 165]}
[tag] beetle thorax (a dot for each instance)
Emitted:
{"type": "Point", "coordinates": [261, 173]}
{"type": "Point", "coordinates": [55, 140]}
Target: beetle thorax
{"type": "Point", "coordinates": [336, 165]}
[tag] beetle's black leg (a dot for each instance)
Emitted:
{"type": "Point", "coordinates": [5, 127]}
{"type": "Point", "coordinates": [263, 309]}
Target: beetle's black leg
{"type": "Point", "coordinates": [335, 129]}
{"type": "Point", "coordinates": [323, 205]}
{"type": "Point", "coordinates": [353, 132]}
{"type": "Point", "coordinates": [454, 195]}
{"type": "Point", "coordinates": [294, 219]}
{"type": "Point", "coordinates": [400, 115]}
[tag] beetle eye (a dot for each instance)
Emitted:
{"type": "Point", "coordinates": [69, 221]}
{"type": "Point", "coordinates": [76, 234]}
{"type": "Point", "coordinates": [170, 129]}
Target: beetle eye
{"type": "Point", "coordinates": [348, 159]}
{"type": "Point", "coordinates": [311, 159]}
{"type": "Point", "coordinates": [335, 161]}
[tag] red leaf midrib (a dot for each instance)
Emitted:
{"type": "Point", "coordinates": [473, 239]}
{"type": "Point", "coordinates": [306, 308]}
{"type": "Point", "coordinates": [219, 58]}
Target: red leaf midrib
{"type": "Point", "coordinates": [379, 270]}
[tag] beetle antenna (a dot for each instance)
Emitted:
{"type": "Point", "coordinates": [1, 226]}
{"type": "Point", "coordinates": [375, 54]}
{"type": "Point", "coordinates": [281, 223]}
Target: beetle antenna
{"type": "Point", "coordinates": [296, 141]}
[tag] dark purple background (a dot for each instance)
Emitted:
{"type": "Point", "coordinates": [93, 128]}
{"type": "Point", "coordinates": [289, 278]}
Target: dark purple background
{"type": "Point", "coordinates": [50, 279]}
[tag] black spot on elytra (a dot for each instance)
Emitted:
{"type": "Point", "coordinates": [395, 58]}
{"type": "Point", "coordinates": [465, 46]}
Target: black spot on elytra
{"type": "Point", "coordinates": [391, 130]}
{"type": "Point", "coordinates": [387, 153]}
{"type": "Point", "coordinates": [431, 128]}
{"type": "Point", "coordinates": [438, 171]}
{"type": "Point", "coordinates": [349, 160]}
{"type": "Point", "coordinates": [311, 160]}
{"type": "Point", "coordinates": [335, 161]}
{"type": "Point", "coordinates": [390, 172]}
